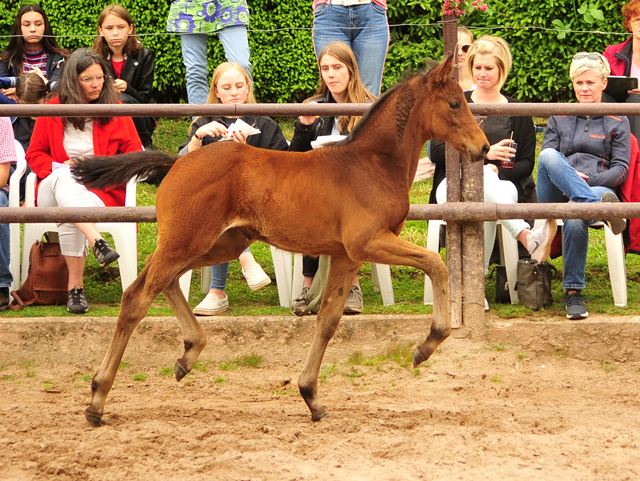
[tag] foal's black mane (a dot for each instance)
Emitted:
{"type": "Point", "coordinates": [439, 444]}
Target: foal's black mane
{"type": "Point", "coordinates": [383, 100]}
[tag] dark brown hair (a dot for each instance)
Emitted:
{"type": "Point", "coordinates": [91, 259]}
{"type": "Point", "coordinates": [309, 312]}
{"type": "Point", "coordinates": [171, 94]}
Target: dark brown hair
{"type": "Point", "coordinates": [70, 92]}
{"type": "Point", "coordinates": [13, 52]}
{"type": "Point", "coordinates": [131, 47]}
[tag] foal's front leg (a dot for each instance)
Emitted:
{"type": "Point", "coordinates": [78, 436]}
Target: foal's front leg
{"type": "Point", "coordinates": [341, 274]}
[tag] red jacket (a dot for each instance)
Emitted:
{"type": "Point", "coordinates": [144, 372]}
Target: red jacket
{"type": "Point", "coordinates": [116, 137]}
{"type": "Point", "coordinates": [619, 57]}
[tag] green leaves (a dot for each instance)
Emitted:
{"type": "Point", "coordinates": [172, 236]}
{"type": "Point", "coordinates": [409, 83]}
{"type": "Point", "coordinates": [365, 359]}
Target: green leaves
{"type": "Point", "coordinates": [591, 13]}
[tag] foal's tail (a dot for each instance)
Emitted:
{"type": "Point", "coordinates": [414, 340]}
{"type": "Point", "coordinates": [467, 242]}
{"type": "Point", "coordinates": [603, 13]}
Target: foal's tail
{"type": "Point", "coordinates": [101, 172]}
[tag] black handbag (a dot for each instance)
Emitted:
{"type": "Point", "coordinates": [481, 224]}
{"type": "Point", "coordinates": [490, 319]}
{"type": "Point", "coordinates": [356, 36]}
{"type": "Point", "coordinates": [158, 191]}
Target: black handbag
{"type": "Point", "coordinates": [502, 286]}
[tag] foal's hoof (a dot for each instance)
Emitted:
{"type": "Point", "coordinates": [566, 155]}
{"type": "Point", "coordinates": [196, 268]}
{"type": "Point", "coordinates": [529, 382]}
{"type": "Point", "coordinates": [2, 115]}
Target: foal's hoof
{"type": "Point", "coordinates": [94, 419]}
{"type": "Point", "coordinates": [319, 417]}
{"type": "Point", "coordinates": [418, 358]}
{"type": "Point", "coordinates": [179, 371]}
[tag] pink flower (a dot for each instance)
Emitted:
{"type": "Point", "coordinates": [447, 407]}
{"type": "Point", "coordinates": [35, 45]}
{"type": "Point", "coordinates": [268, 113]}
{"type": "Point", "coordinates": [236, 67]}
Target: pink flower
{"type": "Point", "coordinates": [483, 7]}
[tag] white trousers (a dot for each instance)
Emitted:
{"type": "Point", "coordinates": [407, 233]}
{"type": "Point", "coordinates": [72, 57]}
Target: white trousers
{"type": "Point", "coordinates": [60, 189]}
{"type": "Point", "coordinates": [500, 192]}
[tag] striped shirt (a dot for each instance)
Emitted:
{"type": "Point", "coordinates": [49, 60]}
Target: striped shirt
{"type": "Point", "coordinates": [30, 60]}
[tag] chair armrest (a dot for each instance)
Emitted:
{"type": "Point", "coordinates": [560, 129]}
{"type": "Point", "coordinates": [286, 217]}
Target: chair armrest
{"type": "Point", "coordinates": [30, 194]}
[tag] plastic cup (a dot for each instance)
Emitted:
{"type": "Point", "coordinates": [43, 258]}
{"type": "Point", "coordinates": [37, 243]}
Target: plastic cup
{"type": "Point", "coordinates": [508, 164]}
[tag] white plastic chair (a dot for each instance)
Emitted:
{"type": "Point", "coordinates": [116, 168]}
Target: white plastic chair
{"type": "Point", "coordinates": [508, 257]}
{"type": "Point", "coordinates": [125, 234]}
{"type": "Point", "coordinates": [283, 277]}
{"type": "Point", "coordinates": [616, 261]}
{"type": "Point", "coordinates": [14, 229]}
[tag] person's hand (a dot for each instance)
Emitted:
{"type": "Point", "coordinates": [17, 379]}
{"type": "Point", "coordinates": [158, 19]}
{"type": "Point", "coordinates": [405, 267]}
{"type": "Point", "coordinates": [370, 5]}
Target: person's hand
{"type": "Point", "coordinates": [214, 129]}
{"type": "Point", "coordinates": [10, 93]}
{"type": "Point", "coordinates": [240, 137]}
{"type": "Point", "coordinates": [633, 92]}
{"type": "Point", "coordinates": [308, 119]}
{"type": "Point", "coordinates": [584, 176]}
{"type": "Point", "coordinates": [120, 85]}
{"type": "Point", "coordinates": [39, 73]}
{"type": "Point", "coordinates": [501, 151]}
{"type": "Point", "coordinates": [493, 167]}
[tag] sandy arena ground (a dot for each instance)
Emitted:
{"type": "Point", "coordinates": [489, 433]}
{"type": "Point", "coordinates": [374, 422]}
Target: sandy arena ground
{"type": "Point", "coordinates": [528, 400]}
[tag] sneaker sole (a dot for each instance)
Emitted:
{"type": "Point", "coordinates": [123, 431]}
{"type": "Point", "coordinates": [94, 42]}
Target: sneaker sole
{"type": "Point", "coordinates": [551, 233]}
{"type": "Point", "coordinates": [352, 310]}
{"type": "Point", "coordinates": [260, 285]}
{"type": "Point", "coordinates": [77, 312]}
{"type": "Point", "coordinates": [209, 312]}
{"type": "Point", "coordinates": [577, 317]}
{"type": "Point", "coordinates": [108, 260]}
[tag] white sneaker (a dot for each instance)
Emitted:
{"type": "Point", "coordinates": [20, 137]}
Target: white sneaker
{"type": "Point", "coordinates": [486, 304]}
{"type": "Point", "coordinates": [539, 240]}
{"type": "Point", "coordinates": [256, 277]}
{"type": "Point", "coordinates": [212, 305]}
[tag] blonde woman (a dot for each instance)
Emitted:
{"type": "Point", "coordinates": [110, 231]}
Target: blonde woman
{"type": "Point", "coordinates": [231, 84]}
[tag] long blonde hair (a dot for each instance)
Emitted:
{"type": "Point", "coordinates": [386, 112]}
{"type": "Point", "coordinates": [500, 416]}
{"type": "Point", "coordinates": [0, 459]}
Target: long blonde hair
{"type": "Point", "coordinates": [356, 91]}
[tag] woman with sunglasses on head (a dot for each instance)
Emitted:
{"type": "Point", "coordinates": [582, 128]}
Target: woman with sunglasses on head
{"type": "Point", "coordinates": [32, 46]}
{"type": "Point", "coordinates": [583, 159]}
{"type": "Point", "coordinates": [340, 82]}
{"type": "Point", "coordinates": [231, 84]}
{"type": "Point", "coordinates": [130, 64]}
{"type": "Point", "coordinates": [56, 142]}
{"type": "Point", "coordinates": [624, 58]}
{"type": "Point", "coordinates": [507, 170]}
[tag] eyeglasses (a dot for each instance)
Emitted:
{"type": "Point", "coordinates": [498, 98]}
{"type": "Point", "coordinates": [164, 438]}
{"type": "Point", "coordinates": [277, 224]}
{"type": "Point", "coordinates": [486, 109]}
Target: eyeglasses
{"type": "Point", "coordinates": [89, 80]}
{"type": "Point", "coordinates": [465, 48]}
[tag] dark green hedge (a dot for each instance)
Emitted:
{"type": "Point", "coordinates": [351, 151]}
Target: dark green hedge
{"type": "Point", "coordinates": [282, 50]}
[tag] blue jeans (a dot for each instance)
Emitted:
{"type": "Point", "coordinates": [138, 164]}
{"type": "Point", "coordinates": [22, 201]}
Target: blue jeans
{"type": "Point", "coordinates": [364, 28]}
{"type": "Point", "coordinates": [559, 182]}
{"type": "Point", "coordinates": [219, 275]}
{"type": "Point", "coordinates": [5, 247]}
{"type": "Point", "coordinates": [194, 55]}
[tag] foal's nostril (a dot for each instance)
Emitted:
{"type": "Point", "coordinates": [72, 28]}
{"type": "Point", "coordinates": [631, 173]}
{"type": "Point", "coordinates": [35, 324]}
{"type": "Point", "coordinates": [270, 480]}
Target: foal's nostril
{"type": "Point", "coordinates": [485, 149]}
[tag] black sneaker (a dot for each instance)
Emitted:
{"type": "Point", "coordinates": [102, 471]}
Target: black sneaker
{"type": "Point", "coordinates": [617, 226]}
{"type": "Point", "coordinates": [105, 254]}
{"type": "Point", "coordinates": [354, 304]}
{"type": "Point", "coordinates": [575, 306]}
{"type": "Point", "coordinates": [77, 303]}
{"type": "Point", "coordinates": [5, 298]}
{"type": "Point", "coordinates": [301, 303]}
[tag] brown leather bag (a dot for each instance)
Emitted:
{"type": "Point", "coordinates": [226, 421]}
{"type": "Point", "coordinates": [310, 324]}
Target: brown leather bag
{"type": "Point", "coordinates": [46, 283]}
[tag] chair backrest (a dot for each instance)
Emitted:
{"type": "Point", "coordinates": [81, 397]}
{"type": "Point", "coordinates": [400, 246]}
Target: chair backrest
{"type": "Point", "coordinates": [14, 180]}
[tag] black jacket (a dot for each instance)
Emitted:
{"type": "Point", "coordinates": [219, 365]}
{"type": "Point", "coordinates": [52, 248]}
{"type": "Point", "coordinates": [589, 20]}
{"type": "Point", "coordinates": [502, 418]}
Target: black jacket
{"type": "Point", "coordinates": [270, 136]}
{"type": "Point", "coordinates": [137, 71]}
{"type": "Point", "coordinates": [55, 63]}
{"type": "Point", "coordinates": [303, 134]}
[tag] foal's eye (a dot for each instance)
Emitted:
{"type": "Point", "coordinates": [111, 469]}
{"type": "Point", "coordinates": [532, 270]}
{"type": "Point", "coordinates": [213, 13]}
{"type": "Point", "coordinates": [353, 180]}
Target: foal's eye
{"type": "Point", "coordinates": [454, 104]}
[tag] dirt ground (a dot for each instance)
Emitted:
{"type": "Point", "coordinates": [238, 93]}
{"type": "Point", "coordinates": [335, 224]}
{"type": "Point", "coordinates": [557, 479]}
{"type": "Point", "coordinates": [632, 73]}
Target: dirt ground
{"type": "Point", "coordinates": [480, 409]}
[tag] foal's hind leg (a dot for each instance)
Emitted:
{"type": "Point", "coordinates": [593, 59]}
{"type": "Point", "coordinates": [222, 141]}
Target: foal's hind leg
{"type": "Point", "coordinates": [341, 274]}
{"type": "Point", "coordinates": [386, 248]}
{"type": "Point", "coordinates": [136, 301]}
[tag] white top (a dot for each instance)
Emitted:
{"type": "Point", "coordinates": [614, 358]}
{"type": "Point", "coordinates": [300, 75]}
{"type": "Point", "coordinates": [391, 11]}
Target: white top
{"type": "Point", "coordinates": [78, 142]}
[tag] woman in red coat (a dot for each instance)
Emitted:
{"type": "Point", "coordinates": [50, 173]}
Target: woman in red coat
{"type": "Point", "coordinates": [57, 141]}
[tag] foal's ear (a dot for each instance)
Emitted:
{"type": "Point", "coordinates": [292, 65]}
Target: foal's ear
{"type": "Point", "coordinates": [442, 73]}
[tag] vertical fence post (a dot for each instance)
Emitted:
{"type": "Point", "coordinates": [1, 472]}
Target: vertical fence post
{"type": "Point", "coordinates": [454, 229]}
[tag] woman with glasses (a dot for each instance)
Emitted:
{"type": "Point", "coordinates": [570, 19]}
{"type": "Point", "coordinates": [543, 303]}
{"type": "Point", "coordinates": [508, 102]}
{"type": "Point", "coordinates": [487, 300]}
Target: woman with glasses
{"type": "Point", "coordinates": [57, 141]}
{"type": "Point", "coordinates": [583, 159]}
{"type": "Point", "coordinates": [130, 64]}
{"type": "Point", "coordinates": [624, 58]}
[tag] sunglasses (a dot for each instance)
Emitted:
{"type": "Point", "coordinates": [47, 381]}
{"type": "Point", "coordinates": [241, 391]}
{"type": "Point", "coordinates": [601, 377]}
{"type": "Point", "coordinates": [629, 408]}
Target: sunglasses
{"type": "Point", "coordinates": [590, 56]}
{"type": "Point", "coordinates": [465, 48]}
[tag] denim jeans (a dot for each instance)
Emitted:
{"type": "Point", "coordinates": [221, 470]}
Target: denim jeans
{"type": "Point", "coordinates": [219, 275]}
{"type": "Point", "coordinates": [194, 55]}
{"type": "Point", "coordinates": [364, 28]}
{"type": "Point", "coordinates": [5, 247]}
{"type": "Point", "coordinates": [559, 182]}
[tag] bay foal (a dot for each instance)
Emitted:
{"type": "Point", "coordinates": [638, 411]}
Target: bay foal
{"type": "Point", "coordinates": [349, 201]}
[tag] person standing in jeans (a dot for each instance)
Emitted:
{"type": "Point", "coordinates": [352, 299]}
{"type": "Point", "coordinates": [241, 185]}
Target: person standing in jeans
{"type": "Point", "coordinates": [194, 20]}
{"type": "Point", "coordinates": [363, 26]}
{"type": "Point", "coordinates": [7, 157]}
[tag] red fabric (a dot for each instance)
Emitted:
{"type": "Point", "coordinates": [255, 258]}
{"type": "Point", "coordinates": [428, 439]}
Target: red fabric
{"type": "Point", "coordinates": [629, 191]}
{"type": "Point", "coordinates": [618, 67]}
{"type": "Point", "coordinates": [116, 137]}
{"type": "Point", "coordinates": [117, 67]}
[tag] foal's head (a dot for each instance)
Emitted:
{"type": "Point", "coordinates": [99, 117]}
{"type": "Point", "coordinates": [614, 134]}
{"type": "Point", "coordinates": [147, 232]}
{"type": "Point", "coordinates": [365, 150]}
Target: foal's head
{"type": "Point", "coordinates": [446, 115]}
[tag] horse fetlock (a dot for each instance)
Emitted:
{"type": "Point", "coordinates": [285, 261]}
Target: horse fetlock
{"type": "Point", "coordinates": [180, 371]}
